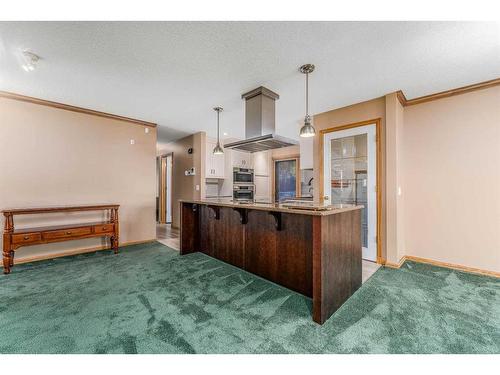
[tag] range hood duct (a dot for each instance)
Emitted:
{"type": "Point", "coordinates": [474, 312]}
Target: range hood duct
{"type": "Point", "coordinates": [260, 123]}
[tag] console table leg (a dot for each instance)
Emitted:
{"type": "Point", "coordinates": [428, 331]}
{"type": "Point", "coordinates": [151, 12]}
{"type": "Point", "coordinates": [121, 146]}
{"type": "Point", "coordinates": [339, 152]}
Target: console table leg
{"type": "Point", "coordinates": [114, 244]}
{"type": "Point", "coordinates": [8, 254]}
{"type": "Point", "coordinates": [117, 231]}
{"type": "Point", "coordinates": [6, 262]}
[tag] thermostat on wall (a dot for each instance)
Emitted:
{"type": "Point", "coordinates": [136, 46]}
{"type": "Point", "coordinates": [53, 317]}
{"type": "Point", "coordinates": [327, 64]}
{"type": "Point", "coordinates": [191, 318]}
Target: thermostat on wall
{"type": "Point", "coordinates": [190, 172]}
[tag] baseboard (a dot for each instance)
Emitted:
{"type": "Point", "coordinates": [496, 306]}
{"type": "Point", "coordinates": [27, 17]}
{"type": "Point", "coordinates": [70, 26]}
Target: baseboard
{"type": "Point", "coordinates": [65, 253]}
{"type": "Point", "coordinates": [394, 265]}
{"type": "Point", "coordinates": [438, 263]}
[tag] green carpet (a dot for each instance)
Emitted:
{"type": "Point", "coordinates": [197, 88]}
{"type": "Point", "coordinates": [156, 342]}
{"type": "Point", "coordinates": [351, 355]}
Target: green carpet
{"type": "Point", "coordinates": [148, 299]}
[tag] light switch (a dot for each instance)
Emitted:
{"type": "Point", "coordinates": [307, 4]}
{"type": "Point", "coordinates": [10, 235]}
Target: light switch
{"type": "Point", "coordinates": [132, 141]}
{"type": "Point", "coordinates": [146, 130]}
{"type": "Point", "coordinates": [399, 190]}
{"type": "Point", "coordinates": [197, 187]}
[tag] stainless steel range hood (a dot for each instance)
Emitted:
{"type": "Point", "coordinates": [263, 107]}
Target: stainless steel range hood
{"type": "Point", "coordinates": [260, 123]}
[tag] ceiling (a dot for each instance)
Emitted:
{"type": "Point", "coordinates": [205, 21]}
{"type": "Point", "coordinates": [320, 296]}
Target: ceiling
{"type": "Point", "coordinates": [174, 73]}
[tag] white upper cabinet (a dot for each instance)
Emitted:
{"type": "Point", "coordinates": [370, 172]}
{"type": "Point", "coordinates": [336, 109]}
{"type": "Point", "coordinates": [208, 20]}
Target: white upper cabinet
{"type": "Point", "coordinates": [306, 152]}
{"type": "Point", "coordinates": [214, 164]}
{"type": "Point", "coordinates": [241, 159]}
{"type": "Point", "coordinates": [261, 163]}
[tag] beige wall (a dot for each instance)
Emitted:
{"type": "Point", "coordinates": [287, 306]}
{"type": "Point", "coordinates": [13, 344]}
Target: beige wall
{"type": "Point", "coordinates": [394, 126]}
{"type": "Point", "coordinates": [184, 187]}
{"type": "Point", "coordinates": [57, 157]}
{"type": "Point", "coordinates": [451, 179]}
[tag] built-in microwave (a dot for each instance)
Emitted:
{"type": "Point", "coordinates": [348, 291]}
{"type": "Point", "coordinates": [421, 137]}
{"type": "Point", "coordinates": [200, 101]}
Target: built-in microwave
{"type": "Point", "coordinates": [243, 192]}
{"type": "Point", "coordinates": [242, 176]}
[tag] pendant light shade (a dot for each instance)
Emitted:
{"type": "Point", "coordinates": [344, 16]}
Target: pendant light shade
{"type": "Point", "coordinates": [218, 150]}
{"type": "Point", "coordinates": [307, 130]}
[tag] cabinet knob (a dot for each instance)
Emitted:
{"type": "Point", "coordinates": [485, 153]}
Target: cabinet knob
{"type": "Point", "coordinates": [68, 232]}
{"type": "Point", "coordinates": [26, 237]}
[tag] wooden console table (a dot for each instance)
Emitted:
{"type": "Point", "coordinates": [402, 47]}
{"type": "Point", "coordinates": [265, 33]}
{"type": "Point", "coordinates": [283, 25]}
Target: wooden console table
{"type": "Point", "coordinates": [15, 238]}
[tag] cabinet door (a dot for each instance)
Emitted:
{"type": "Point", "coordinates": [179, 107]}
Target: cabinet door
{"type": "Point", "coordinates": [246, 160]}
{"type": "Point", "coordinates": [261, 163]}
{"type": "Point", "coordinates": [218, 165]}
{"type": "Point", "coordinates": [262, 190]}
{"type": "Point", "coordinates": [306, 153]}
{"type": "Point", "coordinates": [236, 158]}
{"type": "Point", "coordinates": [242, 159]}
{"type": "Point", "coordinates": [209, 160]}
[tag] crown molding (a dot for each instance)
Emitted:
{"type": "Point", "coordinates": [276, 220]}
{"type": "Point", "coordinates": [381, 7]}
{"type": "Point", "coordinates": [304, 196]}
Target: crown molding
{"type": "Point", "coordinates": [67, 107]}
{"type": "Point", "coordinates": [446, 94]}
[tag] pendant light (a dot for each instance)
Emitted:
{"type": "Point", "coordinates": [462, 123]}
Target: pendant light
{"type": "Point", "coordinates": [307, 130]}
{"type": "Point", "coordinates": [218, 150]}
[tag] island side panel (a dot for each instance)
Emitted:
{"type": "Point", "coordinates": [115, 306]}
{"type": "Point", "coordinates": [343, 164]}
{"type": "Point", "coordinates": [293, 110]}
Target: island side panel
{"type": "Point", "coordinates": [294, 253]}
{"type": "Point", "coordinates": [260, 245]}
{"type": "Point", "coordinates": [190, 225]}
{"type": "Point", "coordinates": [337, 263]}
{"type": "Point", "coordinates": [229, 237]}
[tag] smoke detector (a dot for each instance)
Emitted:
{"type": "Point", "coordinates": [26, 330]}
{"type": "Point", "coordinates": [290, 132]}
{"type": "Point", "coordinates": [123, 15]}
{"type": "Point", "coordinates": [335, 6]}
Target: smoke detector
{"type": "Point", "coordinates": [30, 60]}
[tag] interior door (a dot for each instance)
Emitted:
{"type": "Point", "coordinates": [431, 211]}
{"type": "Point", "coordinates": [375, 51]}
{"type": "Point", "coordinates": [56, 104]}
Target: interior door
{"type": "Point", "coordinates": [168, 192]}
{"type": "Point", "coordinates": [350, 170]}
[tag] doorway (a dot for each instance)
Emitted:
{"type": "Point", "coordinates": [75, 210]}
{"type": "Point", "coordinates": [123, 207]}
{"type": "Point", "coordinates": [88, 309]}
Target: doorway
{"type": "Point", "coordinates": [286, 179]}
{"type": "Point", "coordinates": [164, 205]}
{"type": "Point", "coordinates": [350, 168]}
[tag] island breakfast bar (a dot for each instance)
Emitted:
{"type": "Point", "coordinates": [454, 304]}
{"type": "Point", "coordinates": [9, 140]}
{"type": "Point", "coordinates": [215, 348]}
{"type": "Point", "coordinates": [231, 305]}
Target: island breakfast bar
{"type": "Point", "coordinates": [314, 250]}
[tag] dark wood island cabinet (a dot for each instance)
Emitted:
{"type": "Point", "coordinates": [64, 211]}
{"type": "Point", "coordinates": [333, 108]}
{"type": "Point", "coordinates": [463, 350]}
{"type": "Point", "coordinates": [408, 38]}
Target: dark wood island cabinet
{"type": "Point", "coordinates": [315, 251]}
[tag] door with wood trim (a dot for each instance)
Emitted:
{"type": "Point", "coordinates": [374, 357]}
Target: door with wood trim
{"type": "Point", "coordinates": [165, 189]}
{"type": "Point", "coordinates": [350, 177]}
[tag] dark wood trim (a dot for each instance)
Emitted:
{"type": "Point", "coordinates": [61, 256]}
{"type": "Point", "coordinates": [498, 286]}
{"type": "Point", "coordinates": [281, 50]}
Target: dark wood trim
{"type": "Point", "coordinates": [377, 122]}
{"type": "Point", "coordinates": [67, 107]}
{"type": "Point", "coordinates": [446, 94]}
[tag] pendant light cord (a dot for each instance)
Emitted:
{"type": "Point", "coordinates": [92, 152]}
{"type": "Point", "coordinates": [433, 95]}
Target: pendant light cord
{"type": "Point", "coordinates": [218, 127]}
{"type": "Point", "coordinates": [307, 94]}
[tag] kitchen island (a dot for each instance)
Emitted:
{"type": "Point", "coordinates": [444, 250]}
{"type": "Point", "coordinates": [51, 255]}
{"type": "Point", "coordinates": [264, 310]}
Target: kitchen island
{"type": "Point", "coordinates": [312, 249]}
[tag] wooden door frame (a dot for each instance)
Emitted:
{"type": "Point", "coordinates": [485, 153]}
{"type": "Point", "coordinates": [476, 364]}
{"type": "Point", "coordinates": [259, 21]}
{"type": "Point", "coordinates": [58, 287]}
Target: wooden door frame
{"type": "Point", "coordinates": [295, 157]}
{"type": "Point", "coordinates": [162, 184]}
{"type": "Point", "coordinates": [376, 122]}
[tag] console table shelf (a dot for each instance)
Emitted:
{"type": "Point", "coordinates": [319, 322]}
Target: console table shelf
{"type": "Point", "coordinates": [16, 238]}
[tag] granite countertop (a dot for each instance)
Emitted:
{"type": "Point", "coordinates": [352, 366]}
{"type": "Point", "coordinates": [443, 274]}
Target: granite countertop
{"type": "Point", "coordinates": [296, 207]}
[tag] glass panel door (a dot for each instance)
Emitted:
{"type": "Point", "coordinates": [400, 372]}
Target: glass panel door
{"type": "Point", "coordinates": [285, 179]}
{"type": "Point", "coordinates": [350, 178]}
